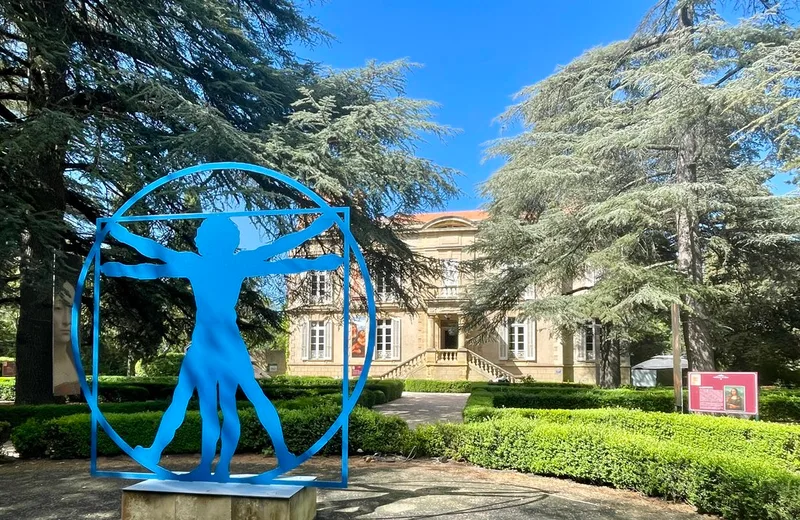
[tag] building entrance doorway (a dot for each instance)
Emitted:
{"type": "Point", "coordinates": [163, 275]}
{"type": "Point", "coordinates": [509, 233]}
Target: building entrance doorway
{"type": "Point", "coordinates": [449, 334]}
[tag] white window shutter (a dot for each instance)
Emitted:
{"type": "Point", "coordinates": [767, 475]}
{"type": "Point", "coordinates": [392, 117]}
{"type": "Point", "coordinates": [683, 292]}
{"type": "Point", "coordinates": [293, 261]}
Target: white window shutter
{"type": "Point", "coordinates": [397, 338]}
{"type": "Point", "coordinates": [579, 340]}
{"type": "Point", "coordinates": [328, 340]}
{"type": "Point", "coordinates": [530, 340]}
{"type": "Point", "coordinates": [328, 287]}
{"type": "Point", "coordinates": [502, 333]}
{"type": "Point", "coordinates": [304, 341]}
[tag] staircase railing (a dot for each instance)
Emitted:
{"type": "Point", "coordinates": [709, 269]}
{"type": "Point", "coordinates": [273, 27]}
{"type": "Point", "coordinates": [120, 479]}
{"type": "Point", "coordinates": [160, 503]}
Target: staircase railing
{"type": "Point", "coordinates": [447, 357]}
{"type": "Point", "coordinates": [489, 368]}
{"type": "Point", "coordinates": [406, 367]}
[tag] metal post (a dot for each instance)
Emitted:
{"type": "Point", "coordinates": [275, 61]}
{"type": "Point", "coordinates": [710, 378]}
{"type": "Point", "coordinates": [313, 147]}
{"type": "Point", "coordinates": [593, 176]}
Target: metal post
{"type": "Point", "coordinates": [677, 371]}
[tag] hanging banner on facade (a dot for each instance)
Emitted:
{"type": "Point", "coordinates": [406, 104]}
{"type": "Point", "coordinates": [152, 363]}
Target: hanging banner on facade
{"type": "Point", "coordinates": [65, 377]}
{"type": "Point", "coordinates": [359, 333]}
{"type": "Point", "coordinates": [724, 392]}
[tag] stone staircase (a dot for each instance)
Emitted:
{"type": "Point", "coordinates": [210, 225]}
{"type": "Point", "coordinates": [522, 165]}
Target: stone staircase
{"type": "Point", "coordinates": [487, 367]}
{"type": "Point", "coordinates": [402, 370]}
{"type": "Point", "coordinates": [449, 364]}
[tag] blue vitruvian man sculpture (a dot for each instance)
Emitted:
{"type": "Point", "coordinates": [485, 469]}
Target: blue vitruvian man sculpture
{"type": "Point", "coordinates": [217, 364]}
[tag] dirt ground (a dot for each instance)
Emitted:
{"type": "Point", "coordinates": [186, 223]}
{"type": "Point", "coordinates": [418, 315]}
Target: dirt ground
{"type": "Point", "coordinates": [382, 488]}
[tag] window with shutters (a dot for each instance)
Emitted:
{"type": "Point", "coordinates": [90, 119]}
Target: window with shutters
{"type": "Point", "coordinates": [320, 286]}
{"type": "Point", "coordinates": [387, 341]}
{"type": "Point", "coordinates": [517, 338]}
{"type": "Point", "coordinates": [317, 340]}
{"type": "Point", "coordinates": [591, 336]}
{"type": "Point", "coordinates": [382, 291]}
{"type": "Point", "coordinates": [383, 346]}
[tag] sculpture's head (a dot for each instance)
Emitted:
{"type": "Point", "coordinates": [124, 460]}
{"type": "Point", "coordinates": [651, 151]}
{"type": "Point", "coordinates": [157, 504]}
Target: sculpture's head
{"type": "Point", "coordinates": [217, 236]}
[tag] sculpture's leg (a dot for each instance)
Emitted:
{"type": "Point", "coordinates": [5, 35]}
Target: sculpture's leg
{"type": "Point", "coordinates": [209, 415]}
{"type": "Point", "coordinates": [268, 416]}
{"type": "Point", "coordinates": [171, 420]}
{"type": "Point", "coordinates": [231, 429]}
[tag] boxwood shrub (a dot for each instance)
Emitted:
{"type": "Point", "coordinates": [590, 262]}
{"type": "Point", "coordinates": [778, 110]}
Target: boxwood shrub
{"type": "Point", "coordinates": [18, 414]}
{"type": "Point", "coordinates": [781, 442]}
{"type": "Point", "coordinates": [430, 385]}
{"type": "Point", "coordinates": [648, 400]}
{"type": "Point", "coordinates": [69, 437]}
{"type": "Point", "coordinates": [733, 485]}
{"type": "Point", "coordinates": [7, 389]}
{"type": "Point", "coordinates": [779, 406]}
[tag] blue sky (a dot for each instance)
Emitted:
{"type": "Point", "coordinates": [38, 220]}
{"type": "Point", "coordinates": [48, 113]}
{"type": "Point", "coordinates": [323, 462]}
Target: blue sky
{"type": "Point", "coordinates": [475, 54]}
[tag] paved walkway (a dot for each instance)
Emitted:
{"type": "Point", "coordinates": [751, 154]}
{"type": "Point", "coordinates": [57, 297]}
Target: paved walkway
{"type": "Point", "coordinates": [426, 408]}
{"type": "Point", "coordinates": [63, 490]}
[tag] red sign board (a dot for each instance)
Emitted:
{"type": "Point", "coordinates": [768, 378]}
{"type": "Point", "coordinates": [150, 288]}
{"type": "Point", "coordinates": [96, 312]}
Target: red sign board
{"type": "Point", "coordinates": [724, 392]}
{"type": "Point", "coordinates": [357, 369]}
{"type": "Point", "coordinates": [9, 368]}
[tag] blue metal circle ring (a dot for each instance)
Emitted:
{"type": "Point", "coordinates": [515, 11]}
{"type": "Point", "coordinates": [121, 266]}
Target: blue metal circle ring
{"type": "Point", "coordinates": [348, 401]}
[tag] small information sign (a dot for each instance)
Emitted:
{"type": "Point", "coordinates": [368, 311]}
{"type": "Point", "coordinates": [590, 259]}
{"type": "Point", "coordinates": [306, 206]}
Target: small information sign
{"type": "Point", "coordinates": [724, 392]}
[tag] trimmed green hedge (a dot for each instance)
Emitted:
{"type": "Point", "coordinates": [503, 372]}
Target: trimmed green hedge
{"type": "Point", "coordinates": [774, 405]}
{"type": "Point", "coordinates": [781, 442]}
{"type": "Point", "coordinates": [430, 385]}
{"type": "Point", "coordinates": [731, 485]}
{"type": "Point", "coordinates": [69, 437]}
{"type": "Point", "coordinates": [648, 400]}
{"type": "Point", "coordinates": [779, 406]}
{"type": "Point", "coordinates": [18, 414]}
{"type": "Point", "coordinates": [7, 389]}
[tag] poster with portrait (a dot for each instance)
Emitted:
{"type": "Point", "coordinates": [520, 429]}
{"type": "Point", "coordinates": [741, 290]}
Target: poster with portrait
{"type": "Point", "coordinates": [734, 398]}
{"type": "Point", "coordinates": [65, 377]}
{"type": "Point", "coordinates": [358, 336]}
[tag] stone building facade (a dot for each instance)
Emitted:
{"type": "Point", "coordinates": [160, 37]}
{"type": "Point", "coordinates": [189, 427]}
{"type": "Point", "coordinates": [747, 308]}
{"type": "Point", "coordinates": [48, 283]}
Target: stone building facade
{"type": "Point", "coordinates": [432, 343]}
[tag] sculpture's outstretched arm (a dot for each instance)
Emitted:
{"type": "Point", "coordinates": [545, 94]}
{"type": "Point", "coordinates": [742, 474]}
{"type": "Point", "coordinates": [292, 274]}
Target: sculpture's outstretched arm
{"type": "Point", "coordinates": [138, 271]}
{"type": "Point", "coordinates": [296, 265]}
{"type": "Point", "coordinates": [146, 246]}
{"type": "Point", "coordinates": [288, 242]}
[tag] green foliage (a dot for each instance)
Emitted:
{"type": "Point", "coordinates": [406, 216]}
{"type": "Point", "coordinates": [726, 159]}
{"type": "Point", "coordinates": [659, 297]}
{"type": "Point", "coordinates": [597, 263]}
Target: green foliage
{"type": "Point", "coordinates": [68, 437]}
{"type": "Point", "coordinates": [169, 85]}
{"type": "Point", "coordinates": [648, 400]}
{"type": "Point", "coordinates": [779, 442]}
{"type": "Point", "coordinates": [774, 405]}
{"type": "Point", "coordinates": [376, 392]}
{"type": "Point", "coordinates": [18, 414]}
{"type": "Point", "coordinates": [7, 391]}
{"type": "Point", "coordinates": [168, 364]}
{"type": "Point", "coordinates": [779, 406]}
{"type": "Point", "coordinates": [430, 385]}
{"type": "Point", "coordinates": [732, 485]}
{"type": "Point", "coordinates": [640, 179]}
{"type": "Point", "coordinates": [5, 432]}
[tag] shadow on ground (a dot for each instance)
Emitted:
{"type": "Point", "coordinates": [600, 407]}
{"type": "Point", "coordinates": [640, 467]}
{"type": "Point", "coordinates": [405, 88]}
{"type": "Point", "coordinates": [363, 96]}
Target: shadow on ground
{"type": "Point", "coordinates": [63, 490]}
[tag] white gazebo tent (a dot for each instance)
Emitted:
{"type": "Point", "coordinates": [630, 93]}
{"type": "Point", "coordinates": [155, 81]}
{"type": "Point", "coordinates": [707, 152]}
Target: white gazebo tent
{"type": "Point", "coordinates": [656, 370]}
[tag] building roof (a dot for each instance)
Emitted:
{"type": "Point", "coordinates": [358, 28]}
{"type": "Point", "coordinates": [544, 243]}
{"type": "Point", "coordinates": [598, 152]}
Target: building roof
{"type": "Point", "coordinates": [659, 363]}
{"type": "Point", "coordinates": [472, 214]}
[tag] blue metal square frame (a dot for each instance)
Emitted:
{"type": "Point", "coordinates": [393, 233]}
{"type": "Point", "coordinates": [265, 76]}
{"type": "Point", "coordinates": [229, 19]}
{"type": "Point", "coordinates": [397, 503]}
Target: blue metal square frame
{"type": "Point", "coordinates": [347, 252]}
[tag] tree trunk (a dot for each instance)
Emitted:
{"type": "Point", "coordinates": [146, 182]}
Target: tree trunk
{"type": "Point", "coordinates": [690, 256]}
{"type": "Point", "coordinates": [607, 362]}
{"type": "Point", "coordinates": [42, 238]}
{"type": "Point", "coordinates": [690, 262]}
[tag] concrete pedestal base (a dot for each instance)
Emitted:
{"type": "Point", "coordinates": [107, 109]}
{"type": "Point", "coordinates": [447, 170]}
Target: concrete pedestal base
{"type": "Point", "coordinates": [172, 500]}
